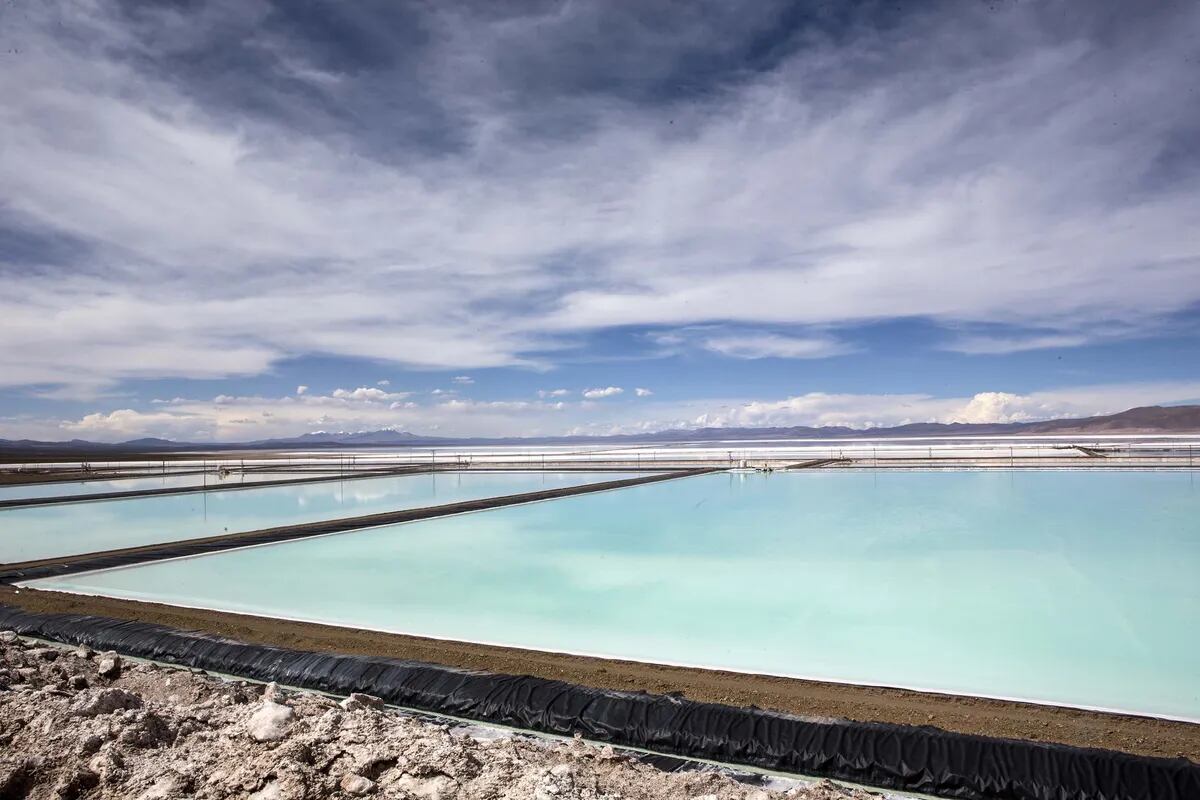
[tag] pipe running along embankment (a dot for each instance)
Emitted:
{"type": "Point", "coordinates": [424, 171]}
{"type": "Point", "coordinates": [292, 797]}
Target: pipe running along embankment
{"type": "Point", "coordinates": [86, 562]}
{"type": "Point", "coordinates": [907, 758]}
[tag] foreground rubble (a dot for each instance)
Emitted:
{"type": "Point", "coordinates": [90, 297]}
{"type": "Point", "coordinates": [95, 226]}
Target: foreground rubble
{"type": "Point", "coordinates": [79, 724]}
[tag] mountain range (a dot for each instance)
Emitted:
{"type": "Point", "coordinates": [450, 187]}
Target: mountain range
{"type": "Point", "coordinates": [1146, 419]}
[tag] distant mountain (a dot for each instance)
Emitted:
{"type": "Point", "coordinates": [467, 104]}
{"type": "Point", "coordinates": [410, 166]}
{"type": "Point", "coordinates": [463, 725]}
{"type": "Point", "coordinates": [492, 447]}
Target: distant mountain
{"type": "Point", "coordinates": [383, 437]}
{"type": "Point", "coordinates": [1147, 419]}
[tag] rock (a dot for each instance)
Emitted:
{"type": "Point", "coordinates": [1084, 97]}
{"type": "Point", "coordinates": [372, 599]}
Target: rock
{"type": "Point", "coordinates": [109, 665]}
{"type": "Point", "coordinates": [83, 651]}
{"type": "Point", "coordinates": [168, 786]}
{"type": "Point", "coordinates": [357, 785]}
{"type": "Point", "coordinates": [147, 730]}
{"type": "Point", "coordinates": [76, 782]}
{"type": "Point", "coordinates": [8, 637]}
{"type": "Point", "coordinates": [358, 702]}
{"type": "Point", "coordinates": [167, 735]}
{"type": "Point", "coordinates": [269, 792]}
{"type": "Point", "coordinates": [438, 788]}
{"type": "Point", "coordinates": [90, 745]}
{"type": "Point", "coordinates": [103, 701]}
{"type": "Point", "coordinates": [16, 777]}
{"type": "Point", "coordinates": [44, 653]}
{"type": "Point", "coordinates": [270, 722]}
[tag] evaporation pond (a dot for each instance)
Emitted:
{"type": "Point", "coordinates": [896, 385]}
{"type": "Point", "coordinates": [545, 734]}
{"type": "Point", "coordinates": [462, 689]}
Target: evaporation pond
{"type": "Point", "coordinates": [1069, 587]}
{"type": "Point", "coordinates": [34, 491]}
{"type": "Point", "coordinates": [93, 526]}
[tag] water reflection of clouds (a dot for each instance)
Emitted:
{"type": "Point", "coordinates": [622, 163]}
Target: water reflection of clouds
{"type": "Point", "coordinates": [93, 526]}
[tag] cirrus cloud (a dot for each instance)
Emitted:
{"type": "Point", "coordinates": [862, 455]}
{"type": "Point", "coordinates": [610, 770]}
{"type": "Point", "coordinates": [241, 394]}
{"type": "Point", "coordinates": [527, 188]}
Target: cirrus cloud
{"type": "Point", "coordinates": [955, 163]}
{"type": "Point", "coordinates": [776, 346]}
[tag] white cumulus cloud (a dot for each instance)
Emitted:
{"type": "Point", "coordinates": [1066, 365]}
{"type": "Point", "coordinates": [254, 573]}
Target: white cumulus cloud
{"type": "Point", "coordinates": [367, 393]}
{"type": "Point", "coordinates": [243, 418]}
{"type": "Point", "coordinates": [607, 391]}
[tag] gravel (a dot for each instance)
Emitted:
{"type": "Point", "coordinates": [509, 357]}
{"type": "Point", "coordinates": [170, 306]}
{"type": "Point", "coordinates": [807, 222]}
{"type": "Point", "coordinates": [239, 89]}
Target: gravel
{"type": "Point", "coordinates": [77, 726]}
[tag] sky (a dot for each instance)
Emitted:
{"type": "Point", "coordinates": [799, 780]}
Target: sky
{"type": "Point", "coordinates": [241, 219]}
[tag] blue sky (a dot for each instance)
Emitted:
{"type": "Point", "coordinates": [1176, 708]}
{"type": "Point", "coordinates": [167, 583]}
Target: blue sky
{"type": "Point", "coordinates": [235, 220]}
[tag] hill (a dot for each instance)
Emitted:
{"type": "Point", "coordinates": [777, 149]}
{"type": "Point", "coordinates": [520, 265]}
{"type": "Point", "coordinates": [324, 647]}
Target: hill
{"type": "Point", "coordinates": [1143, 420]}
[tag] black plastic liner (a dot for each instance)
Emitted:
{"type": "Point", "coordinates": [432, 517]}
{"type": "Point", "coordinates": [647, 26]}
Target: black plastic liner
{"type": "Point", "coordinates": [918, 759]}
{"type": "Point", "coordinates": [64, 565]}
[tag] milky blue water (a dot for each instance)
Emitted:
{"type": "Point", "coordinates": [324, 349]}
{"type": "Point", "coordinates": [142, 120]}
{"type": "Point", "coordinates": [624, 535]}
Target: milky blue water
{"type": "Point", "coordinates": [21, 491]}
{"type": "Point", "coordinates": [1065, 587]}
{"type": "Point", "coordinates": [48, 531]}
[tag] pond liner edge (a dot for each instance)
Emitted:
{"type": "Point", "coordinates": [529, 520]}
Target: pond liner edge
{"type": "Point", "coordinates": [920, 759]}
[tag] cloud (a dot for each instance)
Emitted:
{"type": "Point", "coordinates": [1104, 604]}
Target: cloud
{"type": "Point", "coordinates": [1006, 407]}
{"type": "Point", "coordinates": [463, 379]}
{"type": "Point", "coordinates": [817, 409]}
{"type": "Point", "coordinates": [640, 392]}
{"type": "Point", "coordinates": [608, 391]}
{"type": "Point", "coordinates": [553, 392]}
{"type": "Point", "coordinates": [958, 166]}
{"type": "Point", "coordinates": [775, 346]}
{"type": "Point", "coordinates": [999, 345]}
{"type": "Point", "coordinates": [383, 383]}
{"type": "Point", "coordinates": [248, 418]}
{"type": "Point", "coordinates": [368, 393]}
{"type": "Point", "coordinates": [127, 423]}
{"type": "Point", "coordinates": [302, 389]}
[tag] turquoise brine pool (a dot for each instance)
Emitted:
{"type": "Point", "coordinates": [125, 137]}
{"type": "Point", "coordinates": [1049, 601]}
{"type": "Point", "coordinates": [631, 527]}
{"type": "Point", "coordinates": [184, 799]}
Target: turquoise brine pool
{"type": "Point", "coordinates": [1075, 588]}
{"type": "Point", "coordinates": [87, 527]}
{"type": "Point", "coordinates": [29, 491]}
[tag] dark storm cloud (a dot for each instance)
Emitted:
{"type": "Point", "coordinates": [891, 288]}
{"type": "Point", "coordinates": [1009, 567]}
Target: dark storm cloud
{"type": "Point", "coordinates": [389, 77]}
{"type": "Point", "coordinates": [474, 185]}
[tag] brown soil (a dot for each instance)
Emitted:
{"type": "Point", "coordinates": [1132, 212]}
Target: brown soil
{"type": "Point", "coordinates": [956, 713]}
